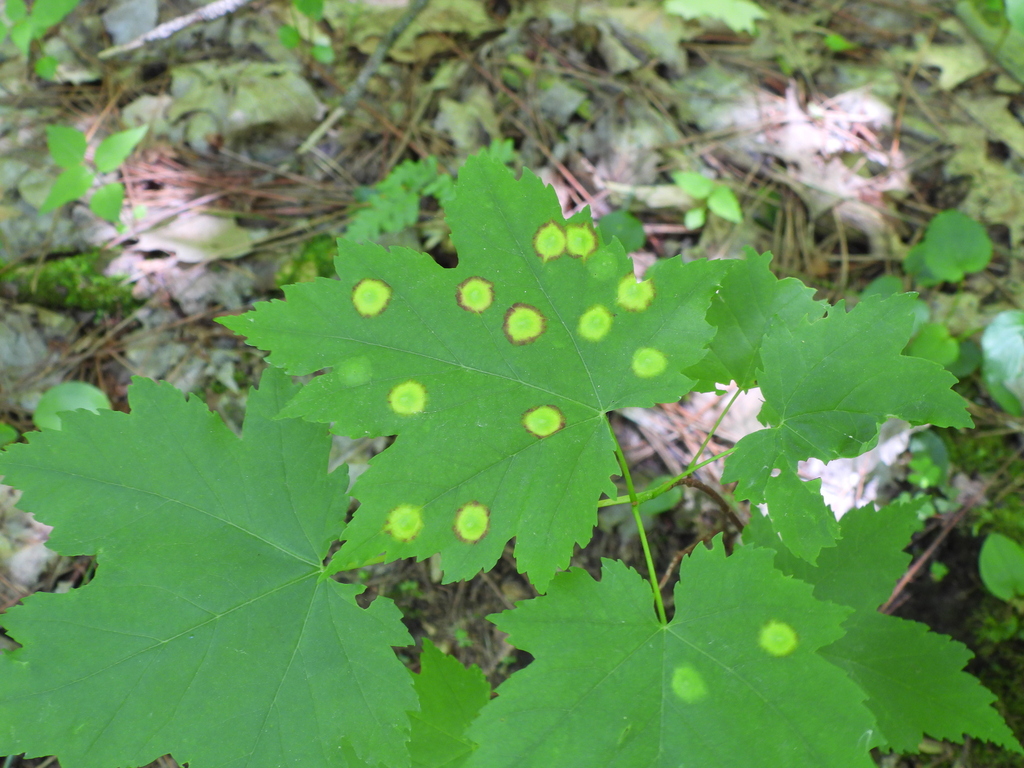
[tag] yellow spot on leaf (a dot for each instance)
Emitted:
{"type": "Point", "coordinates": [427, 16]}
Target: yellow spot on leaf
{"type": "Point", "coordinates": [475, 294]}
{"type": "Point", "coordinates": [544, 420]}
{"type": "Point", "coordinates": [580, 240]}
{"type": "Point", "coordinates": [408, 398]}
{"type": "Point", "coordinates": [595, 323]}
{"type": "Point", "coordinates": [648, 362]}
{"type": "Point", "coordinates": [523, 324]}
{"type": "Point", "coordinates": [472, 521]}
{"type": "Point", "coordinates": [355, 371]}
{"type": "Point", "coordinates": [688, 684]}
{"type": "Point", "coordinates": [602, 266]}
{"type": "Point", "coordinates": [371, 296]}
{"type": "Point", "coordinates": [549, 242]}
{"type": "Point", "coordinates": [778, 638]}
{"type": "Point", "coordinates": [404, 522]}
{"type": "Point", "coordinates": [633, 296]}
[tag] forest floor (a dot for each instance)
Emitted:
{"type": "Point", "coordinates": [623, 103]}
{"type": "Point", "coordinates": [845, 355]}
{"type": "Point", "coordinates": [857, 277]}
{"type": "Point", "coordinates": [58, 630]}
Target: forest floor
{"type": "Point", "coordinates": [841, 127]}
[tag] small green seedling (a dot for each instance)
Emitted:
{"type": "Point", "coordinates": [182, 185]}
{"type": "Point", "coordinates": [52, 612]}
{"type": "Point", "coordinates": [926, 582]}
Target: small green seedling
{"type": "Point", "coordinates": [954, 245]}
{"type": "Point", "coordinates": [938, 570]}
{"type": "Point", "coordinates": [68, 396]}
{"type": "Point", "coordinates": [712, 195]}
{"type": "Point", "coordinates": [24, 25]}
{"type": "Point", "coordinates": [316, 259]}
{"type": "Point", "coordinates": [291, 37]}
{"type": "Point", "coordinates": [838, 44]}
{"type": "Point", "coordinates": [1001, 565]}
{"type": "Point", "coordinates": [67, 148]}
{"type": "Point", "coordinates": [394, 203]}
{"type": "Point", "coordinates": [929, 461]}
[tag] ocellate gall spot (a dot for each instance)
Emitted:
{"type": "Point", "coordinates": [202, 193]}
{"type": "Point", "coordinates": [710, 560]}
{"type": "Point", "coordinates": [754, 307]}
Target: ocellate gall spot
{"type": "Point", "coordinates": [523, 324]}
{"type": "Point", "coordinates": [371, 296]}
{"type": "Point", "coordinates": [549, 241]}
{"type": "Point", "coordinates": [472, 522]}
{"type": "Point", "coordinates": [778, 638]}
{"type": "Point", "coordinates": [404, 522]}
{"type": "Point", "coordinates": [543, 421]}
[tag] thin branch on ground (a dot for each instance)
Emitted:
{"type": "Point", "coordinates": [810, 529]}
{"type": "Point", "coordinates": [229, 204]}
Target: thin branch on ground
{"type": "Point", "coordinates": [948, 525]}
{"type": "Point", "coordinates": [209, 12]}
{"type": "Point", "coordinates": [355, 92]}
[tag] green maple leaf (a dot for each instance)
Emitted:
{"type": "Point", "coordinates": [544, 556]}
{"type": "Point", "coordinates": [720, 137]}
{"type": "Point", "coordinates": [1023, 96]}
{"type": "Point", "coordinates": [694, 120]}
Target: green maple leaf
{"type": "Point", "coordinates": [451, 696]}
{"type": "Point", "coordinates": [913, 677]}
{"type": "Point", "coordinates": [209, 631]}
{"type": "Point", "coordinates": [828, 384]}
{"type": "Point", "coordinates": [495, 375]}
{"type": "Point", "coordinates": [735, 673]}
{"type": "Point", "coordinates": [750, 299]}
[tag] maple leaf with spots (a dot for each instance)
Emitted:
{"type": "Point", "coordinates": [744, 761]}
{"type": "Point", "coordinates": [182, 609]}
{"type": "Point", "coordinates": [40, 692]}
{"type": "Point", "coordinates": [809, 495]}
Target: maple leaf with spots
{"type": "Point", "coordinates": [496, 376]}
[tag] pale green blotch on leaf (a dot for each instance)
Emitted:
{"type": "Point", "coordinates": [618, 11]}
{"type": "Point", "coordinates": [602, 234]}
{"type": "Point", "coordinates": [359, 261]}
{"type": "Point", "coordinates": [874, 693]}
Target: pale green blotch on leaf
{"type": "Point", "coordinates": [404, 522]}
{"type": "Point", "coordinates": [408, 398]}
{"type": "Point", "coordinates": [523, 324]}
{"type": "Point", "coordinates": [633, 296]}
{"type": "Point", "coordinates": [778, 638]}
{"type": "Point", "coordinates": [472, 522]}
{"type": "Point", "coordinates": [544, 420]}
{"type": "Point", "coordinates": [371, 296]}
{"type": "Point", "coordinates": [688, 684]}
{"type": "Point", "coordinates": [580, 240]}
{"type": "Point", "coordinates": [602, 266]}
{"type": "Point", "coordinates": [595, 323]}
{"type": "Point", "coordinates": [355, 371]}
{"type": "Point", "coordinates": [475, 294]}
{"type": "Point", "coordinates": [549, 242]}
{"type": "Point", "coordinates": [649, 362]}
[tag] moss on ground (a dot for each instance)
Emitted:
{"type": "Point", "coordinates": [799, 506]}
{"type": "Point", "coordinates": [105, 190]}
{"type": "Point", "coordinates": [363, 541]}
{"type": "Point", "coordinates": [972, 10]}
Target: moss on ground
{"type": "Point", "coordinates": [71, 282]}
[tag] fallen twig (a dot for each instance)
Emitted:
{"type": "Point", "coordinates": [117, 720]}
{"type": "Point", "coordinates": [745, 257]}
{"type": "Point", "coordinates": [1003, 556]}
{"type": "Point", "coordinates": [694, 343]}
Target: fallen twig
{"type": "Point", "coordinates": [355, 92]}
{"type": "Point", "coordinates": [948, 525]}
{"type": "Point", "coordinates": [207, 13]}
